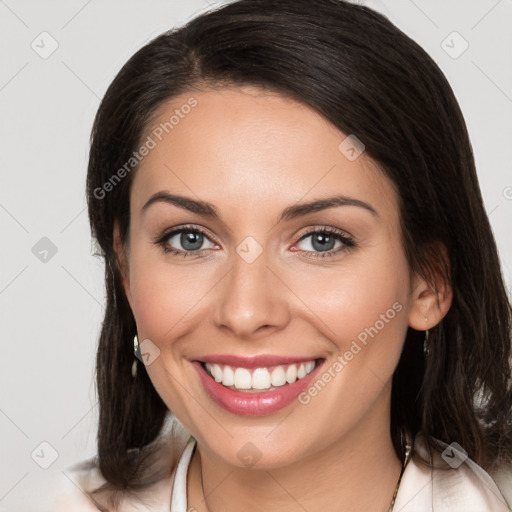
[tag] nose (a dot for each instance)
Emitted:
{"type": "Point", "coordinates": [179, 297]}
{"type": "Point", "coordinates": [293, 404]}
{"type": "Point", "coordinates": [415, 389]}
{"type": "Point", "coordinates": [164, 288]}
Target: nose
{"type": "Point", "coordinates": [251, 301]}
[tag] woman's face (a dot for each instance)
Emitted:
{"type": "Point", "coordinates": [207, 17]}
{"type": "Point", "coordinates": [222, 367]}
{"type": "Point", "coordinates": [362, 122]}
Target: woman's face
{"type": "Point", "coordinates": [247, 280]}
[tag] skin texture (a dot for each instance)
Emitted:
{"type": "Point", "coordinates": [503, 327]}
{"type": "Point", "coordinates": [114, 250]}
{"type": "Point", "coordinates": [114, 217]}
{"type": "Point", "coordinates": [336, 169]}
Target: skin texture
{"type": "Point", "coordinates": [252, 153]}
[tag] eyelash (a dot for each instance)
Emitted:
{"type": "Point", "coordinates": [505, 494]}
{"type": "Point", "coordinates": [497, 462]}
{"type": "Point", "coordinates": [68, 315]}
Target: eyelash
{"type": "Point", "coordinates": [347, 241]}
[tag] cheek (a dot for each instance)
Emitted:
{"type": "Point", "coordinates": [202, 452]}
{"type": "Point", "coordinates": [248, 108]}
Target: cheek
{"type": "Point", "coordinates": [165, 295]}
{"type": "Point", "coordinates": [168, 302]}
{"type": "Point", "coordinates": [365, 301]}
{"type": "Point", "coordinates": [362, 312]}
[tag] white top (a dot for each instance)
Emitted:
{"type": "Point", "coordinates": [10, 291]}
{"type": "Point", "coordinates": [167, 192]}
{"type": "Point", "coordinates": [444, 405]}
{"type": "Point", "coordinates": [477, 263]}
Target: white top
{"type": "Point", "coordinates": [464, 488]}
{"type": "Point", "coordinates": [179, 488]}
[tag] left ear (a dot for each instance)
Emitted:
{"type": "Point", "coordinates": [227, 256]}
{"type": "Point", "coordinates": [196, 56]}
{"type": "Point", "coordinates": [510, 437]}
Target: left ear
{"type": "Point", "coordinates": [431, 298]}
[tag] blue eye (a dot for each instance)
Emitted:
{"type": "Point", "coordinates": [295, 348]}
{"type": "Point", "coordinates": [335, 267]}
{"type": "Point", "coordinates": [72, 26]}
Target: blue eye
{"type": "Point", "coordinates": [190, 239]}
{"type": "Point", "coordinates": [322, 242]}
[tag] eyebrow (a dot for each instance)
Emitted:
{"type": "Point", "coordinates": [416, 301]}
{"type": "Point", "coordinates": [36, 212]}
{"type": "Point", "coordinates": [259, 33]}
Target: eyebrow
{"type": "Point", "coordinates": [289, 213]}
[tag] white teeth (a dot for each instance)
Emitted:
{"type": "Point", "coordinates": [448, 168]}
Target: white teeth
{"type": "Point", "coordinates": [217, 372]}
{"type": "Point", "coordinates": [242, 378]}
{"type": "Point", "coordinates": [259, 378]}
{"type": "Point", "coordinates": [291, 374]}
{"type": "Point", "coordinates": [228, 378]}
{"type": "Point", "coordinates": [278, 377]}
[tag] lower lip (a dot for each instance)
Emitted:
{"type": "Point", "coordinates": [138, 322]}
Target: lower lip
{"type": "Point", "coordinates": [254, 403]}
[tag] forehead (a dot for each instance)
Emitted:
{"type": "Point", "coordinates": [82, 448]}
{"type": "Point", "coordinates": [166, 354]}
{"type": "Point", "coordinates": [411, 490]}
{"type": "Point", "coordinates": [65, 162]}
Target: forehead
{"type": "Point", "coordinates": [253, 147]}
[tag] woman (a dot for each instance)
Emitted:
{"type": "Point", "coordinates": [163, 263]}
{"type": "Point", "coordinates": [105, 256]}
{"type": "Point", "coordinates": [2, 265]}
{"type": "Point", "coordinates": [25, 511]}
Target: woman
{"type": "Point", "coordinates": [285, 196]}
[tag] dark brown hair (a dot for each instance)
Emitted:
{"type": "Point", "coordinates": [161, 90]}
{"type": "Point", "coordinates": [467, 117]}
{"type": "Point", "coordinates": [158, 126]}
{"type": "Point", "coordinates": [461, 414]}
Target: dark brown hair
{"type": "Point", "coordinates": [353, 66]}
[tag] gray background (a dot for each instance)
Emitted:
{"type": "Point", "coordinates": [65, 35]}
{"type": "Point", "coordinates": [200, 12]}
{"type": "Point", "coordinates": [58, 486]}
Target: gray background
{"type": "Point", "coordinates": [51, 311]}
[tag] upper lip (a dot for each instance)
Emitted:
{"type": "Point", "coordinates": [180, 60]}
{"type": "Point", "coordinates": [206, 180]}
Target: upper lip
{"type": "Point", "coordinates": [260, 361]}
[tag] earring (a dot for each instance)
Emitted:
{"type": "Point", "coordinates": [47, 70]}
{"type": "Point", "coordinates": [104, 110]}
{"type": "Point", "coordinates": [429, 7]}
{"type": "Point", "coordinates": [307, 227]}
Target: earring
{"type": "Point", "coordinates": [426, 349]}
{"type": "Point", "coordinates": [136, 351]}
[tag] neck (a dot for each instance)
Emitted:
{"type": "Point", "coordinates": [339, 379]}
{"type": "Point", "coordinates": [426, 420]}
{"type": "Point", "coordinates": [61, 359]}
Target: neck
{"type": "Point", "coordinates": [359, 471]}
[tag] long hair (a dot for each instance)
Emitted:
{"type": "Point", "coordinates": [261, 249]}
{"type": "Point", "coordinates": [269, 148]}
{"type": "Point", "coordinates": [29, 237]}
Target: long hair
{"type": "Point", "coordinates": [364, 75]}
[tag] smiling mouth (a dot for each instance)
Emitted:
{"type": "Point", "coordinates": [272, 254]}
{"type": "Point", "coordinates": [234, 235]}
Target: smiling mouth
{"type": "Point", "coordinates": [259, 379]}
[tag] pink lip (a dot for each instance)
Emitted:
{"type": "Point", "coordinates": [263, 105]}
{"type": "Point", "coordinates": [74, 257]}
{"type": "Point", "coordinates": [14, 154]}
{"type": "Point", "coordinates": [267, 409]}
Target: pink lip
{"type": "Point", "coordinates": [257, 403]}
{"type": "Point", "coordinates": [260, 361]}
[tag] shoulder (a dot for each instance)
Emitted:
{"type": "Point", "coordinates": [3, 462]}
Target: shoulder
{"type": "Point", "coordinates": [72, 487]}
{"type": "Point", "coordinates": [503, 479]}
{"type": "Point", "coordinates": [453, 483]}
